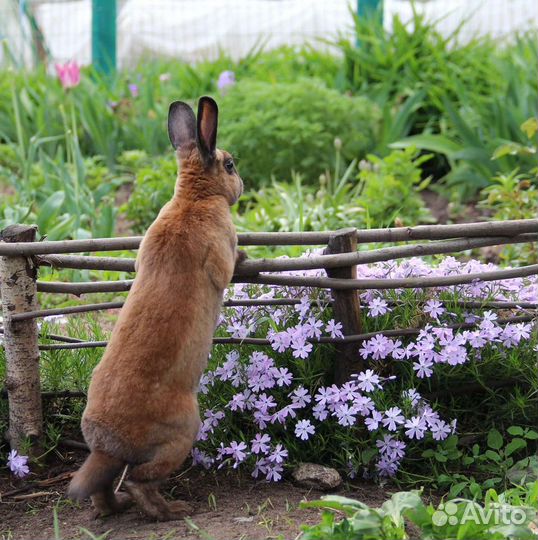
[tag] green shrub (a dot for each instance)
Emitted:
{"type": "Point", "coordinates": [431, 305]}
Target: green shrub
{"type": "Point", "coordinates": [273, 129]}
{"type": "Point", "coordinates": [153, 186]}
{"type": "Point", "coordinates": [382, 191]}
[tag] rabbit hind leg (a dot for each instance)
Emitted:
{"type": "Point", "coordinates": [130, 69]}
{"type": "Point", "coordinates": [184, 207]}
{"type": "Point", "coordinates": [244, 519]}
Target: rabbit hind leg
{"type": "Point", "coordinates": [144, 481]}
{"type": "Point", "coordinates": [106, 502]}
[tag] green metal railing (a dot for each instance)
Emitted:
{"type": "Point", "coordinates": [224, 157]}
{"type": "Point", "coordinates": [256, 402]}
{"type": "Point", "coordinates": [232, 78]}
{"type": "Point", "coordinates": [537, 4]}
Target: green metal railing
{"type": "Point", "coordinates": [104, 35]}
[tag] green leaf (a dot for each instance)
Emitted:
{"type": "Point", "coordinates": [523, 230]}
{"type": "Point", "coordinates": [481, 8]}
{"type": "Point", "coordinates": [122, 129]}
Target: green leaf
{"type": "Point", "coordinates": [531, 434]}
{"type": "Point", "coordinates": [456, 489]}
{"type": "Point", "coordinates": [515, 430]}
{"type": "Point", "coordinates": [530, 127]}
{"type": "Point", "coordinates": [495, 439]}
{"type": "Point", "coordinates": [48, 210]}
{"type": "Point", "coordinates": [433, 143]}
{"type": "Point", "coordinates": [399, 503]}
{"type": "Point", "coordinates": [514, 445]}
{"type": "Point", "coordinates": [494, 456]}
{"type": "Point", "coordinates": [476, 490]}
{"type": "Point", "coordinates": [512, 149]}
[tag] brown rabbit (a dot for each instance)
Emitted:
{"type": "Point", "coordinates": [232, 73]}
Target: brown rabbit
{"type": "Point", "coordinates": [142, 406]}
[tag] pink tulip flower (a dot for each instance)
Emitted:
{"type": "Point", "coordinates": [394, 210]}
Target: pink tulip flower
{"type": "Point", "coordinates": [69, 74]}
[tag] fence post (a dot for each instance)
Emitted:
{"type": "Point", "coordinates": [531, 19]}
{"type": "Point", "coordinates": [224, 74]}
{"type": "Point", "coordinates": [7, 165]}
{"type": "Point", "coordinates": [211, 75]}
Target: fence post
{"type": "Point", "coordinates": [346, 305]}
{"type": "Point", "coordinates": [18, 289]}
{"type": "Point", "coordinates": [104, 35]}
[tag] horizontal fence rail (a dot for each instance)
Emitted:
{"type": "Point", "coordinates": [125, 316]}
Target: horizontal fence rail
{"type": "Point", "coordinates": [103, 306]}
{"type": "Point", "coordinates": [311, 282]}
{"type": "Point", "coordinates": [397, 234]}
{"type": "Point", "coordinates": [354, 338]}
{"type": "Point", "coordinates": [250, 267]}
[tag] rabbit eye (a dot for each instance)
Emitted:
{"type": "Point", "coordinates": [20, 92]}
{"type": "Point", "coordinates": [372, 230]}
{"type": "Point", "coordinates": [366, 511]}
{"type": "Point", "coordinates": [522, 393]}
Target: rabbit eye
{"type": "Point", "coordinates": [229, 165]}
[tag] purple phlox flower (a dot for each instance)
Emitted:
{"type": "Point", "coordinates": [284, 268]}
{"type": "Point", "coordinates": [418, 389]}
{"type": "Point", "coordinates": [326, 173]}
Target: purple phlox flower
{"type": "Point", "coordinates": [445, 336]}
{"type": "Point", "coordinates": [387, 467]}
{"type": "Point", "coordinates": [206, 380]}
{"type": "Point", "coordinates": [287, 411]}
{"type": "Point", "coordinates": [280, 341]}
{"type": "Point", "coordinates": [238, 329]}
{"type": "Point", "coordinates": [454, 353]}
{"type": "Point", "coordinates": [363, 405]}
{"type": "Point", "coordinates": [236, 450]}
{"type": "Point", "coordinates": [133, 89]}
{"type": "Point", "coordinates": [377, 307]}
{"type": "Point", "coordinates": [349, 391]}
{"type": "Point", "coordinates": [393, 417]}
{"type": "Point", "coordinates": [346, 414]}
{"type": "Point", "coordinates": [423, 368]}
{"type": "Point", "coordinates": [334, 397]}
{"type": "Point", "coordinates": [386, 443]}
{"type": "Point", "coordinates": [278, 455]}
{"type": "Point", "coordinates": [213, 418]}
{"type": "Point", "coordinates": [490, 331]}
{"type": "Point", "coordinates": [513, 334]}
{"type": "Point", "coordinates": [260, 467]}
{"type": "Point", "coordinates": [434, 308]}
{"type": "Point", "coordinates": [322, 395]}
{"type": "Point", "coordinates": [228, 370]}
{"type": "Point", "coordinates": [416, 426]}
{"type": "Point", "coordinates": [319, 412]}
{"type": "Point", "coordinates": [300, 396]}
{"type": "Point", "coordinates": [334, 329]}
{"type": "Point", "coordinates": [471, 317]}
{"type": "Point", "coordinates": [225, 80]}
{"type": "Point", "coordinates": [199, 457]}
{"type": "Point", "coordinates": [302, 350]}
{"type": "Point", "coordinates": [428, 414]}
{"type": "Point", "coordinates": [313, 328]}
{"type": "Point", "coordinates": [440, 430]}
{"type": "Point", "coordinates": [260, 443]}
{"type": "Point", "coordinates": [397, 449]}
{"type": "Point", "coordinates": [18, 464]}
{"type": "Point", "coordinates": [303, 307]}
{"type": "Point", "coordinates": [475, 339]}
{"type": "Point", "coordinates": [238, 401]}
{"type": "Point", "coordinates": [368, 381]}
{"type": "Point", "coordinates": [261, 419]}
{"type": "Point", "coordinates": [398, 352]}
{"type": "Point", "coordinates": [264, 402]}
{"type": "Point", "coordinates": [372, 423]}
{"type": "Point", "coordinates": [303, 429]}
{"type": "Point", "coordinates": [489, 316]}
{"type": "Point", "coordinates": [283, 376]}
{"type": "Point", "coordinates": [274, 472]}
{"type": "Point", "coordinates": [380, 346]}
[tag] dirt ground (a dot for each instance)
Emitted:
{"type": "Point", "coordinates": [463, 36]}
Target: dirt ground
{"type": "Point", "coordinates": [227, 506]}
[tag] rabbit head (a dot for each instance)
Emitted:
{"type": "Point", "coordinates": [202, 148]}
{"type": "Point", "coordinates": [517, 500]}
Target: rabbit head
{"type": "Point", "coordinates": [204, 170]}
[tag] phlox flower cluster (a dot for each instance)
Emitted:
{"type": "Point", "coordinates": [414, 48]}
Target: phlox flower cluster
{"type": "Point", "coordinates": [18, 464]}
{"type": "Point", "coordinates": [264, 407]}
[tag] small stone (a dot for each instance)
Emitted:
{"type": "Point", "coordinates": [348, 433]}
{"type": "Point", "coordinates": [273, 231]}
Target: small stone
{"type": "Point", "coordinates": [316, 476]}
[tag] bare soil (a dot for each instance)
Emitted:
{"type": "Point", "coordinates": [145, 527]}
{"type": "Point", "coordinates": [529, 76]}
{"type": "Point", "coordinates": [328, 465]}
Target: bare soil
{"type": "Point", "coordinates": [227, 506]}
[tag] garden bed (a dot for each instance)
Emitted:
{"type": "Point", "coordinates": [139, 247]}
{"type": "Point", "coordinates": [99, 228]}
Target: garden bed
{"type": "Point", "coordinates": [227, 506]}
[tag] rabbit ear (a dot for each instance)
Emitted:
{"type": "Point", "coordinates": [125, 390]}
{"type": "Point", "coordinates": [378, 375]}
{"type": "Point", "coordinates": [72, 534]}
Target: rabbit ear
{"type": "Point", "coordinates": [208, 117]}
{"type": "Point", "coordinates": [181, 125]}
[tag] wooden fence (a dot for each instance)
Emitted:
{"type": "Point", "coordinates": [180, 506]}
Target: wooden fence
{"type": "Point", "coordinates": [21, 256]}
